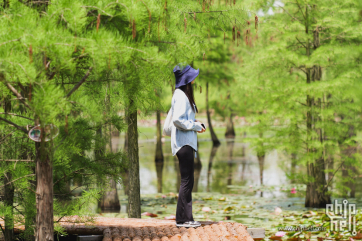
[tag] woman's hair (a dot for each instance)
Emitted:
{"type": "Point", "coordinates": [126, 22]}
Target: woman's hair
{"type": "Point", "coordinates": [189, 91]}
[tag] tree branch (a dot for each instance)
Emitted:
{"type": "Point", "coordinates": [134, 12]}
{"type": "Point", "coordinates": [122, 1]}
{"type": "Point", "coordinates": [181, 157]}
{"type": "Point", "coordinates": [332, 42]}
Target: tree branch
{"type": "Point", "coordinates": [80, 82]}
{"type": "Point", "coordinates": [4, 113]}
{"type": "Point", "coordinates": [219, 11]}
{"type": "Point", "coordinates": [301, 42]}
{"type": "Point", "coordinates": [14, 40]}
{"type": "Point", "coordinates": [300, 9]}
{"type": "Point", "coordinates": [326, 186]}
{"type": "Point", "coordinates": [17, 179]}
{"type": "Point", "coordinates": [15, 125]}
{"type": "Point", "coordinates": [301, 103]}
{"type": "Point", "coordinates": [17, 94]}
{"type": "Point", "coordinates": [12, 160]}
{"type": "Point", "coordinates": [66, 176]}
{"type": "Point", "coordinates": [290, 14]}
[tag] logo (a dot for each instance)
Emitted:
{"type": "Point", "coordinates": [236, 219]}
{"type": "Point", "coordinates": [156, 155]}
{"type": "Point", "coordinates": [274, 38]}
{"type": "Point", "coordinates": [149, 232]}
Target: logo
{"type": "Point", "coordinates": [342, 216]}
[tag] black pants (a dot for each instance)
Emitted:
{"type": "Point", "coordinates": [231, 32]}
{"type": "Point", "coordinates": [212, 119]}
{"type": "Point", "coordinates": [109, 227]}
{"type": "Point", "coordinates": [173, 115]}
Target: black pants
{"type": "Point", "coordinates": [184, 204]}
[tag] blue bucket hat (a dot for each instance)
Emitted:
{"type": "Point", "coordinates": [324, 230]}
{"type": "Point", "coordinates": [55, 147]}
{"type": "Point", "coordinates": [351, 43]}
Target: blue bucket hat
{"type": "Point", "coordinates": [184, 74]}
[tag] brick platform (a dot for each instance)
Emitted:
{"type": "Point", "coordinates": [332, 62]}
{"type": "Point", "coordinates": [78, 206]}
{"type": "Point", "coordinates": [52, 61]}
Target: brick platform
{"type": "Point", "coordinates": [129, 229]}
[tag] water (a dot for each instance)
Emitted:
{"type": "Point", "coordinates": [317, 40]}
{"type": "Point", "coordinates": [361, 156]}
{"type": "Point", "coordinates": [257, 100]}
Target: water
{"type": "Point", "coordinates": [236, 165]}
{"type": "Point", "coordinates": [231, 168]}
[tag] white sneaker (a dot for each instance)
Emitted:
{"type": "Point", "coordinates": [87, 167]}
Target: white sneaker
{"type": "Point", "coordinates": [189, 224]}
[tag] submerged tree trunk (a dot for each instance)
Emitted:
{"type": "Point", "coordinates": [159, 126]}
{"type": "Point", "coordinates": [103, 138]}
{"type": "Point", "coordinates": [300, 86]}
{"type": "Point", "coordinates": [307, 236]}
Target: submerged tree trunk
{"type": "Point", "coordinates": [44, 193]}
{"type": "Point", "coordinates": [230, 132]}
{"type": "Point", "coordinates": [215, 140]}
{"type": "Point", "coordinates": [110, 200]}
{"type": "Point", "coordinates": [134, 199]}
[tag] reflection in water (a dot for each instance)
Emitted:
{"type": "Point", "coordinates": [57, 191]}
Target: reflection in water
{"type": "Point", "coordinates": [211, 158]}
{"type": "Point", "coordinates": [261, 157]}
{"type": "Point", "coordinates": [234, 162]}
{"type": "Point", "coordinates": [159, 168]}
{"type": "Point", "coordinates": [243, 163]}
{"type": "Point", "coordinates": [197, 169]}
{"type": "Point", "coordinates": [177, 171]}
{"type": "Point", "coordinates": [158, 153]}
{"type": "Point", "coordinates": [261, 170]}
{"type": "Point", "coordinates": [230, 147]}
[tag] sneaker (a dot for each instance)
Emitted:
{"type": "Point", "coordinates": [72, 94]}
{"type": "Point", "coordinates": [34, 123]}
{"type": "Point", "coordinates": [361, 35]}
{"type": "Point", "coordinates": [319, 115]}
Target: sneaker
{"type": "Point", "coordinates": [189, 224]}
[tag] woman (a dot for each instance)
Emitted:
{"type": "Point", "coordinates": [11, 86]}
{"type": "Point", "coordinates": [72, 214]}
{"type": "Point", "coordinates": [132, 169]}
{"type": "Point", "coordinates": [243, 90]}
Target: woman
{"type": "Point", "coordinates": [184, 140]}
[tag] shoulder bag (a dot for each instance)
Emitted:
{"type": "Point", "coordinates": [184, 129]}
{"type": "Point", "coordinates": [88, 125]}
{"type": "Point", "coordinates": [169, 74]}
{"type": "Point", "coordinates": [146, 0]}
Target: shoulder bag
{"type": "Point", "coordinates": [167, 127]}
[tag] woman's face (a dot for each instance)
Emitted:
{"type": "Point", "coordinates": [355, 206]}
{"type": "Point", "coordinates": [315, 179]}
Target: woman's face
{"type": "Point", "coordinates": [192, 81]}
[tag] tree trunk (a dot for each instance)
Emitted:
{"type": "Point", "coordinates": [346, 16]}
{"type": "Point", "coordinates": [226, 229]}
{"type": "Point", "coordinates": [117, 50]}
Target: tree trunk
{"type": "Point", "coordinates": [349, 172]}
{"type": "Point", "coordinates": [293, 170]}
{"type": "Point", "coordinates": [230, 132]}
{"type": "Point", "coordinates": [159, 153]}
{"type": "Point", "coordinates": [134, 199]}
{"type": "Point", "coordinates": [125, 174]}
{"type": "Point", "coordinates": [353, 182]}
{"type": "Point", "coordinates": [110, 200]}
{"type": "Point", "coordinates": [126, 135]}
{"type": "Point", "coordinates": [317, 190]}
{"type": "Point", "coordinates": [44, 193]}
{"type": "Point", "coordinates": [215, 140]}
{"type": "Point", "coordinates": [316, 195]}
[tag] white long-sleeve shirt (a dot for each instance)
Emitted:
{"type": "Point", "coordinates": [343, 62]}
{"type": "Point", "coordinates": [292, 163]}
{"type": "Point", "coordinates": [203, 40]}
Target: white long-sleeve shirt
{"type": "Point", "coordinates": [184, 131]}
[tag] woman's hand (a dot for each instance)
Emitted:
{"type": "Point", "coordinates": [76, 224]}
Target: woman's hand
{"type": "Point", "coordinates": [203, 129]}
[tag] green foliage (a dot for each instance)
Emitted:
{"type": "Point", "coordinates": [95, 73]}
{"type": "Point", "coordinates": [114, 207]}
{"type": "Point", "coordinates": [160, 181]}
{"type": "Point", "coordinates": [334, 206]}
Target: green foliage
{"type": "Point", "coordinates": [291, 44]}
{"type": "Point", "coordinates": [77, 65]}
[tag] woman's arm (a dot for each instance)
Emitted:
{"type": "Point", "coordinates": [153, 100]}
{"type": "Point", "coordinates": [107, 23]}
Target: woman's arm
{"type": "Point", "coordinates": [179, 116]}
